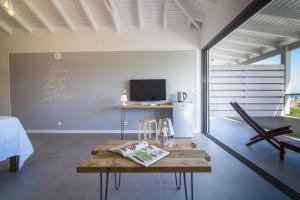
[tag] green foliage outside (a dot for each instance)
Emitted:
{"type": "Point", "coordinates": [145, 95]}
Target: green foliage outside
{"type": "Point", "coordinates": [295, 112]}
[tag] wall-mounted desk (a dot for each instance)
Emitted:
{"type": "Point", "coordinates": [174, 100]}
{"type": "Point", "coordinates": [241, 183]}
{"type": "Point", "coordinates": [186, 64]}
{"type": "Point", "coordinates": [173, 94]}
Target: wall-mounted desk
{"type": "Point", "coordinates": [167, 107]}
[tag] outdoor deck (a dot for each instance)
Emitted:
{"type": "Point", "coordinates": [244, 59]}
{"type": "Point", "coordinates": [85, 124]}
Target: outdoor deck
{"type": "Point", "coordinates": [236, 134]}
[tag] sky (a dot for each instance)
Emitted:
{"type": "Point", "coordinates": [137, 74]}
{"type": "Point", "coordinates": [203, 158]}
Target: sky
{"type": "Point", "coordinates": [295, 68]}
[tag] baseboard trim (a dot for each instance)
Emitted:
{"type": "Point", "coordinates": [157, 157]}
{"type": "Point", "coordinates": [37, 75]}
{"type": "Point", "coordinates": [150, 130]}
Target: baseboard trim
{"type": "Point", "coordinates": [87, 131]}
{"type": "Point", "coordinates": [81, 131]}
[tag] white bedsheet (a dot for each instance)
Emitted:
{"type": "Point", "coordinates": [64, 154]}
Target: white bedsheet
{"type": "Point", "coordinates": [14, 140]}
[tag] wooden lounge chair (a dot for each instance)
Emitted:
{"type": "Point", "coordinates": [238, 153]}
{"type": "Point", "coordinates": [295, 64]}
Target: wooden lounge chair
{"type": "Point", "coordinates": [292, 145]}
{"type": "Point", "coordinates": [262, 134]}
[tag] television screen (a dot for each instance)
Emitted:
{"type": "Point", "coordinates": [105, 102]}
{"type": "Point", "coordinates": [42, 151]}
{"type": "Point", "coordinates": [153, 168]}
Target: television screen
{"type": "Point", "coordinates": [148, 90]}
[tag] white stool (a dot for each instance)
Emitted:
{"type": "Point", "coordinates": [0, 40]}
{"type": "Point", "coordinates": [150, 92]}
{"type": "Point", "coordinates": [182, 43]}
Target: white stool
{"type": "Point", "coordinates": [148, 124]}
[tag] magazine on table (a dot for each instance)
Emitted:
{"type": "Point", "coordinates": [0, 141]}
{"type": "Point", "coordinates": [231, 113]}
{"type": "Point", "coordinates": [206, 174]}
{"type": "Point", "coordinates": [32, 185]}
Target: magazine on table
{"type": "Point", "coordinates": [140, 152]}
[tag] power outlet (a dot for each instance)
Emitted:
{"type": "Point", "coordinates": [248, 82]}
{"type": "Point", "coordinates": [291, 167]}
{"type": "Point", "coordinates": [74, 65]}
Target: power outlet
{"type": "Point", "coordinates": [125, 123]}
{"type": "Point", "coordinates": [59, 123]}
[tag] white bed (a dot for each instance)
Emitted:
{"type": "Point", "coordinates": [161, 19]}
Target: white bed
{"type": "Point", "coordinates": [14, 140]}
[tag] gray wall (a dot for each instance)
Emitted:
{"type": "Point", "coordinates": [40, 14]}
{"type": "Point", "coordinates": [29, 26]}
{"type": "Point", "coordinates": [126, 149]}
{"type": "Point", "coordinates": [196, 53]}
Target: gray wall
{"type": "Point", "coordinates": [88, 85]}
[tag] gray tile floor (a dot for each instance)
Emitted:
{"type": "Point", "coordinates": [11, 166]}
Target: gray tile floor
{"type": "Point", "coordinates": [50, 174]}
{"type": "Point", "coordinates": [236, 134]}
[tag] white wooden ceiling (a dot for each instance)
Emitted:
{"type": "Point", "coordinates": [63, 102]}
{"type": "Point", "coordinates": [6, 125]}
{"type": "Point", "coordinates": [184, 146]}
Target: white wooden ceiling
{"type": "Point", "coordinates": [276, 25]}
{"type": "Point", "coordinates": [100, 15]}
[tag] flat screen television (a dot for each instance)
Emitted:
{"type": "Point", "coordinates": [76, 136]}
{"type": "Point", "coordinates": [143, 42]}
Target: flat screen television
{"type": "Point", "coordinates": [148, 90]}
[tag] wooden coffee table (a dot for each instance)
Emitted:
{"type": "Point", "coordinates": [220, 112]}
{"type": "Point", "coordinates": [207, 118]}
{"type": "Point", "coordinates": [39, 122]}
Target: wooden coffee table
{"type": "Point", "coordinates": [184, 158]}
{"type": "Point", "coordinates": [177, 145]}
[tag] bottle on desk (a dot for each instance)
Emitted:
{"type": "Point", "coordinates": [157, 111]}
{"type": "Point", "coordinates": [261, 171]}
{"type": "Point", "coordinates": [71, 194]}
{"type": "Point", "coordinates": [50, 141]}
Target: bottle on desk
{"type": "Point", "coordinates": [163, 135]}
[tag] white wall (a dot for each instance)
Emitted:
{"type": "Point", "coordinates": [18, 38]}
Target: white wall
{"type": "Point", "coordinates": [86, 40]}
{"type": "Point", "coordinates": [224, 12]}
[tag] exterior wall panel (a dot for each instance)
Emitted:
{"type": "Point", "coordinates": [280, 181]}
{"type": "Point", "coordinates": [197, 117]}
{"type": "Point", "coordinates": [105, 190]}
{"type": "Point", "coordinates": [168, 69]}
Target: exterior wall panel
{"type": "Point", "coordinates": [258, 88]}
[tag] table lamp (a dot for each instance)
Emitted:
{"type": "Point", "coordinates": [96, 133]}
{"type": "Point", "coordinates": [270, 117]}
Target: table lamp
{"type": "Point", "coordinates": [124, 99]}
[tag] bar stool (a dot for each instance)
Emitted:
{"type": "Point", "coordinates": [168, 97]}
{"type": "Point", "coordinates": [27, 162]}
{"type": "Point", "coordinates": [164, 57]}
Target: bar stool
{"type": "Point", "coordinates": [147, 125]}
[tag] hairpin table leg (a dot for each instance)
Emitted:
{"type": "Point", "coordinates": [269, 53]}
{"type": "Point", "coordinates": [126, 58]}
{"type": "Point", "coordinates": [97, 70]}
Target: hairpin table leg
{"type": "Point", "coordinates": [106, 186]}
{"type": "Point", "coordinates": [117, 182]}
{"type": "Point", "coordinates": [178, 182]}
{"type": "Point", "coordinates": [100, 186]}
{"type": "Point", "coordinates": [192, 186]}
{"type": "Point", "coordinates": [107, 176]}
{"type": "Point", "coordinates": [123, 113]}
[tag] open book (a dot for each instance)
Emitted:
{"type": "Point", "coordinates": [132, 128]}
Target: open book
{"type": "Point", "coordinates": [140, 152]}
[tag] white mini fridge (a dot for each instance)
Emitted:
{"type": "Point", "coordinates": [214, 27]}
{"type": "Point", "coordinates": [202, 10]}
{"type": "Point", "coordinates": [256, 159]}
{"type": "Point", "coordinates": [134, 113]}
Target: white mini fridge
{"type": "Point", "coordinates": [183, 119]}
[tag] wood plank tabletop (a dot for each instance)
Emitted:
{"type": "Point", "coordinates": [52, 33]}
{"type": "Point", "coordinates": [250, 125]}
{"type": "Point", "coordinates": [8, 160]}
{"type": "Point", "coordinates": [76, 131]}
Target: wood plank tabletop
{"type": "Point", "coordinates": [180, 161]}
{"type": "Point", "coordinates": [183, 157]}
{"type": "Point", "coordinates": [173, 154]}
{"type": "Point", "coordinates": [137, 106]}
{"type": "Point", "coordinates": [177, 144]}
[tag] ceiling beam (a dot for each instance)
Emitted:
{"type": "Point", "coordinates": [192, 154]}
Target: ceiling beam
{"type": "Point", "coordinates": [88, 14]}
{"type": "Point", "coordinates": [214, 60]}
{"type": "Point", "coordinates": [225, 58]}
{"type": "Point", "coordinates": [139, 10]}
{"type": "Point", "coordinates": [261, 57]}
{"type": "Point", "coordinates": [198, 17]}
{"type": "Point", "coordinates": [188, 25]}
{"type": "Point", "coordinates": [269, 31]}
{"type": "Point", "coordinates": [19, 19]}
{"type": "Point", "coordinates": [186, 11]}
{"type": "Point", "coordinates": [229, 53]}
{"type": "Point", "coordinates": [38, 14]}
{"type": "Point", "coordinates": [251, 41]}
{"type": "Point", "coordinates": [207, 2]}
{"type": "Point", "coordinates": [5, 27]}
{"type": "Point", "coordinates": [224, 55]}
{"type": "Point", "coordinates": [165, 19]}
{"type": "Point", "coordinates": [63, 14]}
{"type": "Point", "coordinates": [275, 52]}
{"type": "Point", "coordinates": [278, 13]}
{"type": "Point", "coordinates": [237, 49]}
{"type": "Point", "coordinates": [110, 5]}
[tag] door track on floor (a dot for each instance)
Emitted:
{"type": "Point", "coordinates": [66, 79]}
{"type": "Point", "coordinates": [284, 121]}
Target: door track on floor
{"type": "Point", "coordinates": [285, 189]}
